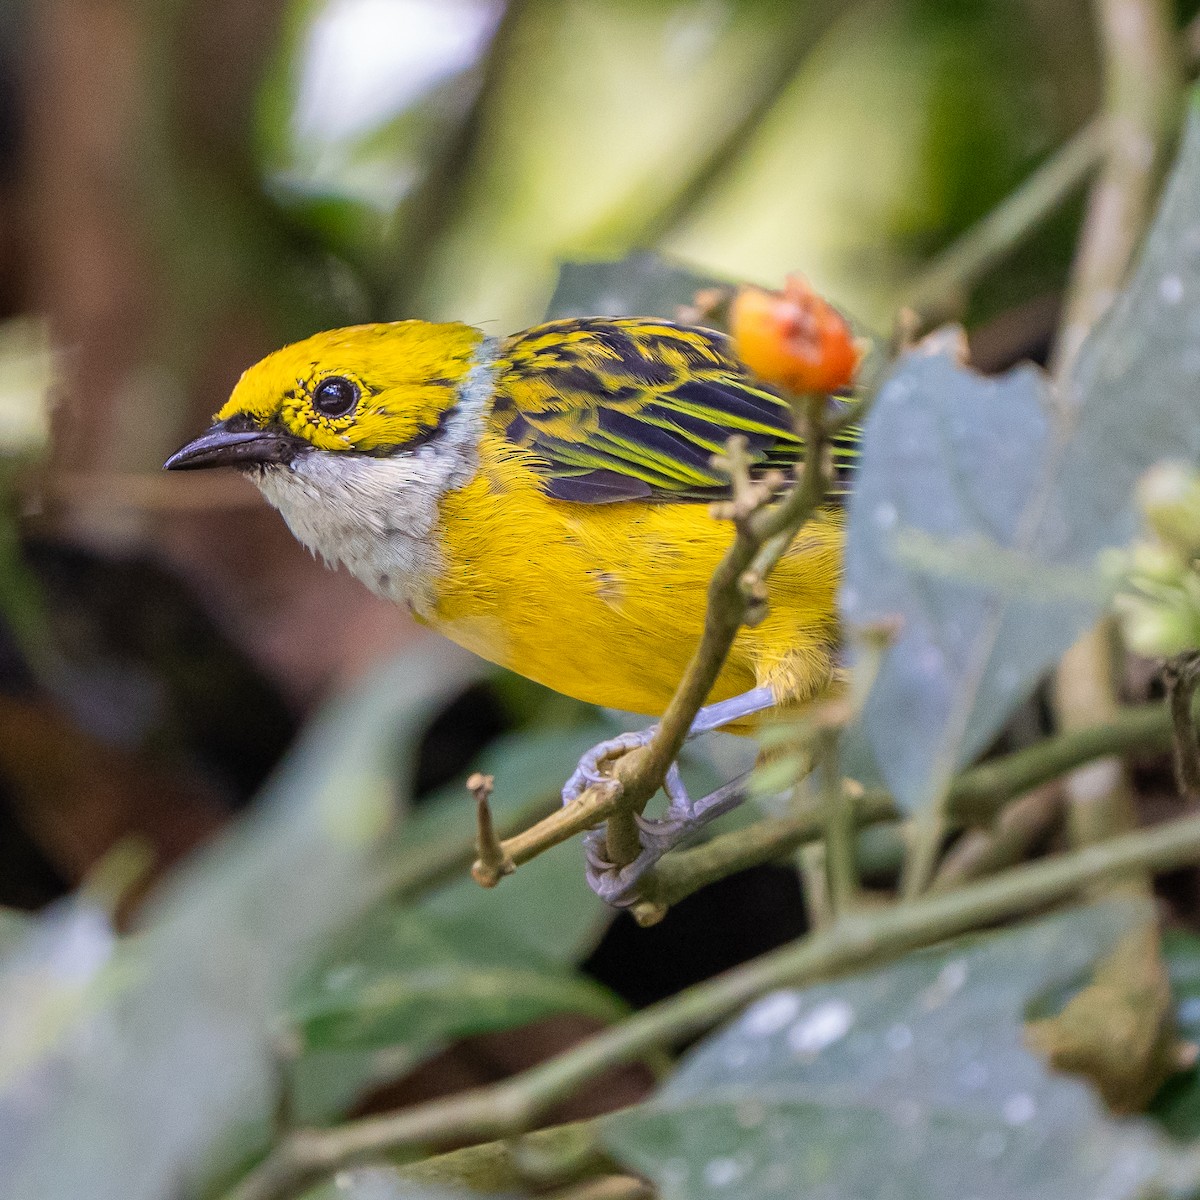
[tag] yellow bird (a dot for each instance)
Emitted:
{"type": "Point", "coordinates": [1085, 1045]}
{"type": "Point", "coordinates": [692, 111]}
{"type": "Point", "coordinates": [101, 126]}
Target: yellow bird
{"type": "Point", "coordinates": [538, 499]}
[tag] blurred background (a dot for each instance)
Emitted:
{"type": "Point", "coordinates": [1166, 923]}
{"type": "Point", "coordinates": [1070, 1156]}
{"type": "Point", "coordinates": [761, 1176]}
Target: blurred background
{"type": "Point", "coordinates": [186, 185]}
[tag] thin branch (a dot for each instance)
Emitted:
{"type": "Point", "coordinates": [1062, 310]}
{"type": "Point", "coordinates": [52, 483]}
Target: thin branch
{"type": "Point", "coordinates": [1143, 85]}
{"type": "Point", "coordinates": [447, 858]}
{"type": "Point", "coordinates": [811, 862]}
{"type": "Point", "coordinates": [925, 838]}
{"type": "Point", "coordinates": [944, 286]}
{"type": "Point", "coordinates": [492, 864]}
{"type": "Point", "coordinates": [1182, 677]}
{"type": "Point", "coordinates": [975, 797]}
{"type": "Point", "coordinates": [613, 1187]}
{"type": "Point", "coordinates": [837, 812]}
{"type": "Point", "coordinates": [86, 490]}
{"type": "Point", "coordinates": [548, 1158]}
{"type": "Point", "coordinates": [678, 875]}
{"type": "Point", "coordinates": [862, 937]}
{"type": "Point", "coordinates": [596, 804]}
{"type": "Point", "coordinates": [978, 793]}
{"type": "Point", "coordinates": [1019, 828]}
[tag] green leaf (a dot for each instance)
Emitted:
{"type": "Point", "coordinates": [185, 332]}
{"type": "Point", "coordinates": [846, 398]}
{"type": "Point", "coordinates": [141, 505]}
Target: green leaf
{"type": "Point", "coordinates": [462, 959]}
{"type": "Point", "coordinates": [968, 649]}
{"type": "Point", "coordinates": [640, 285]}
{"type": "Point", "coordinates": [546, 905]}
{"type": "Point", "coordinates": [908, 1081]}
{"type": "Point", "coordinates": [1177, 1104]}
{"type": "Point", "coordinates": [413, 982]}
{"type": "Point", "coordinates": [166, 1075]}
{"type": "Point", "coordinates": [982, 505]}
{"type": "Point", "coordinates": [407, 985]}
{"type": "Point", "coordinates": [50, 968]}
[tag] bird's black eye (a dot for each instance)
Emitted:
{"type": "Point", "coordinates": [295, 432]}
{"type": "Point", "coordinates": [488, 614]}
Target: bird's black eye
{"type": "Point", "coordinates": [335, 396]}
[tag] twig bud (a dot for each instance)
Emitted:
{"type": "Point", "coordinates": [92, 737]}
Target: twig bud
{"type": "Point", "coordinates": [493, 863]}
{"type": "Point", "coordinates": [1169, 494]}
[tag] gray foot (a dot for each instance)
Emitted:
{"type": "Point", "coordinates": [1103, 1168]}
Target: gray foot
{"type": "Point", "coordinates": [712, 716]}
{"type": "Point", "coordinates": [589, 773]}
{"type": "Point", "coordinates": [684, 817]}
{"type": "Point", "coordinates": [617, 886]}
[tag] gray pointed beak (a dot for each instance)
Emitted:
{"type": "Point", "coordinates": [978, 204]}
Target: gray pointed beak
{"type": "Point", "coordinates": [222, 446]}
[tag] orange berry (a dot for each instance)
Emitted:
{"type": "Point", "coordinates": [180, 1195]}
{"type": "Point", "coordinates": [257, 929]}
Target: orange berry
{"type": "Point", "coordinates": [794, 338]}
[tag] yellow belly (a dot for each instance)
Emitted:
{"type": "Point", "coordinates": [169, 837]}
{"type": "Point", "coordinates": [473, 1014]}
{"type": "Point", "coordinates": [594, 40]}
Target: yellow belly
{"type": "Point", "coordinates": [606, 602]}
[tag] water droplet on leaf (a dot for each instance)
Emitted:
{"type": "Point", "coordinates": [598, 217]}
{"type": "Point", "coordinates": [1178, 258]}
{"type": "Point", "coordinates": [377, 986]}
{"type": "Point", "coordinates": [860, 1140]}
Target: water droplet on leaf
{"type": "Point", "coordinates": [822, 1027]}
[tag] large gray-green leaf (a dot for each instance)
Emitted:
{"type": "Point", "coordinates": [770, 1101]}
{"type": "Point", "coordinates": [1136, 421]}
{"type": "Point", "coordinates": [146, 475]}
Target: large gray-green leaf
{"type": "Point", "coordinates": [911, 1081]}
{"type": "Point", "coordinates": [983, 503]}
{"type": "Point", "coordinates": [409, 984]}
{"type": "Point", "coordinates": [48, 968]}
{"type": "Point", "coordinates": [957, 527]}
{"type": "Point", "coordinates": [166, 1070]}
{"type": "Point", "coordinates": [460, 959]}
{"type": "Point", "coordinates": [641, 285]}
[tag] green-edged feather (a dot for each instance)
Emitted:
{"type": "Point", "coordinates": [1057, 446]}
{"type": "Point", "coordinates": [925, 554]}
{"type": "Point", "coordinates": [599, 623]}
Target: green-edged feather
{"type": "Point", "coordinates": [632, 408]}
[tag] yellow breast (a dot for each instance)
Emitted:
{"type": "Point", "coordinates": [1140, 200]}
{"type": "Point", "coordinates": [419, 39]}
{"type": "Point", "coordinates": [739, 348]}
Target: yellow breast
{"type": "Point", "coordinates": [606, 602]}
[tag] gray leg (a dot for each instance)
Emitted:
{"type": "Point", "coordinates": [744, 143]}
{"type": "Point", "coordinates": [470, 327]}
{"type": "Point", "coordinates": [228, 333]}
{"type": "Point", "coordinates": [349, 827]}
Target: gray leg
{"type": "Point", "coordinates": [684, 817]}
{"type": "Point", "coordinates": [710, 717]}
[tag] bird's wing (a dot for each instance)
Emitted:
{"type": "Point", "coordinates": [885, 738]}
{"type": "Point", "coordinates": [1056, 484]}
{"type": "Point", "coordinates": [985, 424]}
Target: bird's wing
{"type": "Point", "coordinates": [634, 408]}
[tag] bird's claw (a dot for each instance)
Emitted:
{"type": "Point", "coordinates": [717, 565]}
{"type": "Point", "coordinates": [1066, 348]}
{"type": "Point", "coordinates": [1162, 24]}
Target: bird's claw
{"type": "Point", "coordinates": [676, 791]}
{"type": "Point", "coordinates": [661, 833]}
{"type": "Point", "coordinates": [666, 832]}
{"type": "Point", "coordinates": [594, 847]}
{"type": "Point", "coordinates": [616, 886]}
{"type": "Point", "coordinates": [590, 772]}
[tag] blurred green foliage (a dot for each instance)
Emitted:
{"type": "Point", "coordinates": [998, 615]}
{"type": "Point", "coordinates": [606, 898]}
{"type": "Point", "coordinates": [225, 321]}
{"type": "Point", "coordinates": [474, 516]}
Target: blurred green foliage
{"type": "Point", "coordinates": [331, 942]}
{"type": "Point", "coordinates": [741, 136]}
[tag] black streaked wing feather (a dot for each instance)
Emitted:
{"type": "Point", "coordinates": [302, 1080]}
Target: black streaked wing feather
{"type": "Point", "coordinates": [634, 408]}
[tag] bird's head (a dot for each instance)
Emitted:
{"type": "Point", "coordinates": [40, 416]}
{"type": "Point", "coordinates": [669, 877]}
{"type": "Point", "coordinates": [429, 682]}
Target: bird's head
{"type": "Point", "coordinates": [375, 390]}
{"type": "Point", "coordinates": [355, 435]}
